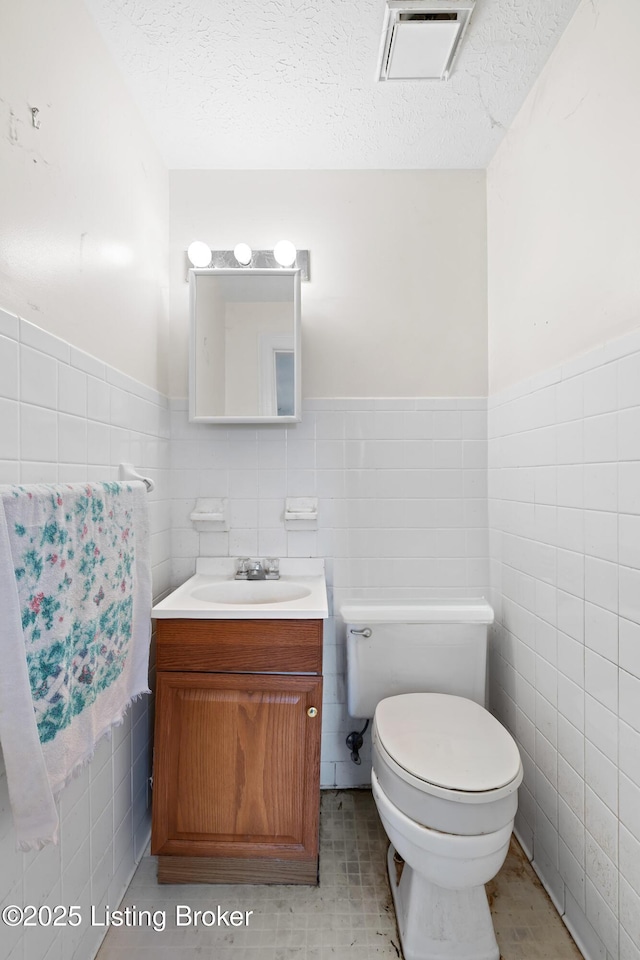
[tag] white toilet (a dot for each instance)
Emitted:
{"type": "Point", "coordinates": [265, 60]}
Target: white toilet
{"type": "Point", "coordinates": [445, 772]}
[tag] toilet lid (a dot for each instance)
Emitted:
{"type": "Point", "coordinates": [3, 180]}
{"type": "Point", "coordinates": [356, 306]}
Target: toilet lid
{"type": "Point", "coordinates": [448, 741]}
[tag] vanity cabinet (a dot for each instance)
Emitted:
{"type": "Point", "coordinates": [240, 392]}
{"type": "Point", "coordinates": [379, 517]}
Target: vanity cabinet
{"type": "Point", "coordinates": [236, 790]}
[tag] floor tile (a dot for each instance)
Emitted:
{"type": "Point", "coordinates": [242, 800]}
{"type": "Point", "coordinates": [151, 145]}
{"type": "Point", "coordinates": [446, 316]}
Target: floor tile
{"type": "Point", "coordinates": [349, 912]}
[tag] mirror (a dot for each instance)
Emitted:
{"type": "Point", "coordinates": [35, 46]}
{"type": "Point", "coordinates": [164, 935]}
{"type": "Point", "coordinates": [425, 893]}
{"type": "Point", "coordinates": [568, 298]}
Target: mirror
{"type": "Point", "coordinates": [244, 346]}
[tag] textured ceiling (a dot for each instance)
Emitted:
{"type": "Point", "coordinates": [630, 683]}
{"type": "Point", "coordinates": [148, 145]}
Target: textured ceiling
{"type": "Point", "coordinates": [261, 84]}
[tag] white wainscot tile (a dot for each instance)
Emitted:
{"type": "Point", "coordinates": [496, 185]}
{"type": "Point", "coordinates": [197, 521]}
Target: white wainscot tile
{"type": "Point", "coordinates": [601, 583]}
{"type": "Point", "coordinates": [9, 325]}
{"type": "Point", "coordinates": [572, 872]}
{"type": "Point", "coordinates": [571, 745]}
{"type": "Point", "coordinates": [629, 806]}
{"type": "Point", "coordinates": [601, 679]}
{"type": "Point", "coordinates": [474, 424]}
{"type": "Point", "coordinates": [546, 641]}
{"type": "Point", "coordinates": [9, 430]}
{"type": "Point", "coordinates": [9, 469]}
{"type": "Point", "coordinates": [34, 336]}
{"type": "Point", "coordinates": [601, 389]}
{"type": "Point", "coordinates": [8, 368]}
{"type": "Point", "coordinates": [570, 529]}
{"type": "Point", "coordinates": [98, 438]}
{"type": "Point", "coordinates": [570, 480]}
{"type": "Point", "coordinates": [570, 572]}
{"type": "Point", "coordinates": [601, 775]}
{"type": "Point", "coordinates": [629, 752]}
{"type": "Point", "coordinates": [418, 455]}
{"type": "Point", "coordinates": [571, 615]}
{"type": "Point", "coordinates": [601, 534]}
{"type": "Point", "coordinates": [244, 483]}
{"type": "Point", "coordinates": [602, 823]}
{"type": "Point", "coordinates": [571, 658]}
{"type": "Point", "coordinates": [545, 485]}
{"type": "Point", "coordinates": [546, 796]}
{"type": "Point", "coordinates": [629, 381]}
{"type": "Point", "coordinates": [547, 680]}
{"type": "Point", "coordinates": [571, 830]}
{"type": "Point", "coordinates": [329, 455]}
{"type": "Point", "coordinates": [272, 542]}
{"type": "Point", "coordinates": [630, 859]}
{"type": "Point", "coordinates": [629, 540]}
{"type": "Point", "coordinates": [628, 949]}
{"type": "Point", "coordinates": [601, 631]}
{"type": "Point", "coordinates": [546, 602]}
{"type": "Point", "coordinates": [629, 434]}
{"type": "Point", "coordinates": [601, 438]}
{"type": "Point", "coordinates": [98, 404]}
{"type": "Point", "coordinates": [570, 442]}
{"type": "Point", "coordinates": [72, 391]}
{"type": "Point", "coordinates": [571, 701]}
{"type": "Point", "coordinates": [38, 378]}
{"type": "Point", "coordinates": [447, 425]}
{"type": "Point", "coordinates": [629, 639]}
{"type": "Point", "coordinates": [72, 439]}
{"type": "Point", "coordinates": [243, 543]}
{"type": "Point", "coordinates": [630, 700]}
{"type": "Point", "coordinates": [601, 486]}
{"type": "Point", "coordinates": [474, 454]}
{"type": "Point", "coordinates": [630, 594]}
{"type": "Point", "coordinates": [448, 454]}
{"type": "Point", "coordinates": [601, 916]}
{"type": "Point", "coordinates": [243, 514]}
{"type": "Point", "coordinates": [39, 434]}
{"type": "Point", "coordinates": [570, 399]}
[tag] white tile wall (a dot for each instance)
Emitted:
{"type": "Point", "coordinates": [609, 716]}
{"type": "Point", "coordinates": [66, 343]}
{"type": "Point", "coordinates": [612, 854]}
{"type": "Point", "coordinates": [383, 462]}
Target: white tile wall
{"type": "Point", "coordinates": [402, 511]}
{"type": "Point", "coordinates": [564, 512]}
{"type": "Point", "coordinates": [66, 416]}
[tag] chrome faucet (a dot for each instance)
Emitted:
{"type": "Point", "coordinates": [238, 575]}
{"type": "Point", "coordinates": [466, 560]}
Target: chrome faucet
{"type": "Point", "coordinates": [256, 570]}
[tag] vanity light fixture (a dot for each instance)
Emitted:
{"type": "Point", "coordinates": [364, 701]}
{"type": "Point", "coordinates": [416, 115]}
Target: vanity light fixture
{"type": "Point", "coordinates": [199, 253]}
{"type": "Point", "coordinates": [285, 253]}
{"type": "Point", "coordinates": [243, 253]}
{"type": "Point", "coordinates": [243, 257]}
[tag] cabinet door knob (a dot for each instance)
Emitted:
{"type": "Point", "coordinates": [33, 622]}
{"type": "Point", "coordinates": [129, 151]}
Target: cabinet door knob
{"type": "Point", "coordinates": [312, 712]}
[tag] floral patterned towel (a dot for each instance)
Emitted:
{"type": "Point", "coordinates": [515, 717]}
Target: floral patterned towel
{"type": "Point", "coordinates": [75, 599]}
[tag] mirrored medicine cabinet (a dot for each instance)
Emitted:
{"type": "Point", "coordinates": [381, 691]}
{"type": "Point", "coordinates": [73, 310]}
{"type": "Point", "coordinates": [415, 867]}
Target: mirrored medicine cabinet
{"type": "Point", "coordinates": [244, 346]}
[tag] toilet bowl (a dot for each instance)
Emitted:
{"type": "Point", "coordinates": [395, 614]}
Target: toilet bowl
{"type": "Point", "coordinates": [444, 780]}
{"type": "Point", "coordinates": [445, 771]}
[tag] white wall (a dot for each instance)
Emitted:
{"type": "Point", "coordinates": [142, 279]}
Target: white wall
{"type": "Point", "coordinates": [564, 470]}
{"type": "Point", "coordinates": [83, 255]}
{"type": "Point", "coordinates": [564, 201]}
{"type": "Point", "coordinates": [564, 511]}
{"type": "Point", "coordinates": [84, 199]}
{"type": "Point", "coordinates": [396, 305]}
{"type": "Point", "coordinates": [66, 416]}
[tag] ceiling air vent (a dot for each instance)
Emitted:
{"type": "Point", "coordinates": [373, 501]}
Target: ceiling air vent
{"type": "Point", "coordinates": [421, 38]}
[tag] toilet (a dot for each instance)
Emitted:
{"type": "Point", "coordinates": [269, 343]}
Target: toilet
{"type": "Point", "coordinates": [445, 772]}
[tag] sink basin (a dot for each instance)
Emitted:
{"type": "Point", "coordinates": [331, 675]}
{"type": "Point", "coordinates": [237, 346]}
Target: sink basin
{"type": "Point", "coordinates": [251, 591]}
{"type": "Point", "coordinates": [214, 594]}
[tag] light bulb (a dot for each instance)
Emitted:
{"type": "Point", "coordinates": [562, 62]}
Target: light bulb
{"type": "Point", "coordinates": [199, 253]}
{"type": "Point", "coordinates": [285, 253]}
{"type": "Point", "coordinates": [243, 253]}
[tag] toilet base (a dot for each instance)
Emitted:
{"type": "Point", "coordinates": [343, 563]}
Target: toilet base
{"type": "Point", "coordinates": [440, 924]}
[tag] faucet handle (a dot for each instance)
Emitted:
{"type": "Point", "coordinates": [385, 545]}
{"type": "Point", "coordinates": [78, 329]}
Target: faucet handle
{"type": "Point", "coordinates": [242, 568]}
{"type": "Point", "coordinates": [272, 568]}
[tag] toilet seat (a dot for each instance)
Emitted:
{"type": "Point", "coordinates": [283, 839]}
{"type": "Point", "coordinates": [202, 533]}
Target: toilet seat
{"type": "Point", "coordinates": [447, 746]}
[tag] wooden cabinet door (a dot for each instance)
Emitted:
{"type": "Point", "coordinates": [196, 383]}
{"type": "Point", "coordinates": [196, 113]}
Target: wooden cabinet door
{"type": "Point", "coordinates": [236, 765]}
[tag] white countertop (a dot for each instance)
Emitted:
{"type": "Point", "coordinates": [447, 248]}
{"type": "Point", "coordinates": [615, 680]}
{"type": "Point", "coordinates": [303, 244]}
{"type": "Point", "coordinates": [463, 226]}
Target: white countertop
{"type": "Point", "coordinates": [216, 575]}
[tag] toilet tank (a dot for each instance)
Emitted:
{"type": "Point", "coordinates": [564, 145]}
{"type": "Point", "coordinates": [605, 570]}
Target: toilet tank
{"type": "Point", "coordinates": [414, 646]}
